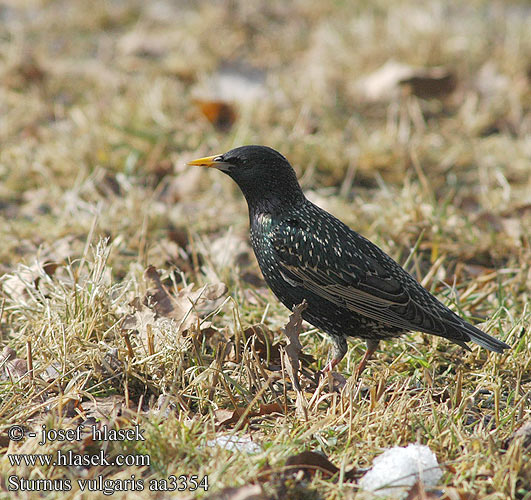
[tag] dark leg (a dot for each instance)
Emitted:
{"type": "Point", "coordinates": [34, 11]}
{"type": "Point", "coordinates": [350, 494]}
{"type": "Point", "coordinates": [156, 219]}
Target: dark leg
{"type": "Point", "coordinates": [372, 345]}
{"type": "Point", "coordinates": [339, 350]}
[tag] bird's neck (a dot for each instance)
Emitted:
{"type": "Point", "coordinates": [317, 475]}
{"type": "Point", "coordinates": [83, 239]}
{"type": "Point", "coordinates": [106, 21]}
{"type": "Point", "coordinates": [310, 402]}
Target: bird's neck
{"type": "Point", "coordinates": [274, 206]}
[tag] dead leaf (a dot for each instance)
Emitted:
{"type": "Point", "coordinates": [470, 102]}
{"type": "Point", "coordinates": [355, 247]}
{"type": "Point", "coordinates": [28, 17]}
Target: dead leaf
{"type": "Point", "coordinates": [20, 285]}
{"type": "Point", "coordinates": [442, 396]}
{"type": "Point", "coordinates": [263, 338]}
{"type": "Point", "coordinates": [451, 493]}
{"type": "Point", "coordinates": [52, 372]}
{"type": "Point", "coordinates": [418, 492]}
{"type": "Point", "coordinates": [7, 354]}
{"type": "Point", "coordinates": [209, 298]}
{"type": "Point", "coordinates": [16, 284]}
{"type": "Point", "coordinates": [157, 297]}
{"type": "Point", "coordinates": [270, 408]}
{"type": "Point", "coordinates": [428, 86]}
{"type": "Point", "coordinates": [26, 72]}
{"type": "Point", "coordinates": [139, 319]}
{"type": "Point", "coordinates": [309, 462]}
{"type": "Point", "coordinates": [50, 267]}
{"type": "Point", "coordinates": [186, 306]}
{"type": "Point", "coordinates": [233, 84]}
{"type": "Point", "coordinates": [387, 81]}
{"type": "Point", "coordinates": [221, 114]}
{"type": "Point", "coordinates": [523, 433]}
{"type": "Point", "coordinates": [227, 418]}
{"type": "Point", "coordinates": [214, 337]}
{"type": "Point", "coordinates": [293, 349]}
{"type": "Point", "coordinates": [181, 305]}
{"type": "Point", "coordinates": [107, 184]}
{"type": "Point", "coordinates": [15, 370]}
{"type": "Point", "coordinates": [105, 408]}
{"type": "Point", "coordinates": [68, 408]}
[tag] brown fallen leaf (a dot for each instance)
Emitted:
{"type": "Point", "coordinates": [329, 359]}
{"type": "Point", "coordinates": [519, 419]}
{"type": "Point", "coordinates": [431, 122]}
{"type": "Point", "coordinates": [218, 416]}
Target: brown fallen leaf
{"type": "Point", "coordinates": [263, 339]}
{"type": "Point", "coordinates": [270, 408]}
{"type": "Point", "coordinates": [68, 407]}
{"type": "Point", "coordinates": [231, 87]}
{"type": "Point", "coordinates": [267, 348]}
{"type": "Point", "coordinates": [7, 354]}
{"type": "Point", "coordinates": [17, 284]}
{"type": "Point", "coordinates": [27, 71]}
{"type": "Point", "coordinates": [208, 298]}
{"type": "Point", "coordinates": [523, 433]}
{"type": "Point", "coordinates": [215, 338]}
{"type": "Point", "coordinates": [112, 411]}
{"type": "Point", "coordinates": [20, 285]}
{"type": "Point", "coordinates": [219, 113]}
{"type": "Point", "coordinates": [388, 80]}
{"type": "Point", "coordinates": [157, 297]}
{"type": "Point", "coordinates": [186, 307]}
{"type": "Point", "coordinates": [418, 492]}
{"type": "Point", "coordinates": [451, 493]}
{"type": "Point", "coordinates": [139, 319]}
{"type": "Point", "coordinates": [107, 184]}
{"type": "Point", "coordinates": [52, 372]}
{"type": "Point", "coordinates": [442, 396]}
{"type": "Point", "coordinates": [293, 348]}
{"type": "Point", "coordinates": [225, 418]}
{"type": "Point", "coordinates": [309, 462]}
{"type": "Point", "coordinates": [430, 85]}
{"type": "Point", "coordinates": [15, 370]}
{"type": "Point", "coordinates": [182, 305]}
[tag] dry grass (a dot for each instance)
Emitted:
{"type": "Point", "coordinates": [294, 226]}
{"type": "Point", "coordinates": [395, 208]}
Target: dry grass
{"type": "Point", "coordinates": [100, 108]}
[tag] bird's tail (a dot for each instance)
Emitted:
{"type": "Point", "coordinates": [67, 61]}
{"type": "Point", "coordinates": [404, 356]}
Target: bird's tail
{"type": "Point", "coordinates": [484, 340]}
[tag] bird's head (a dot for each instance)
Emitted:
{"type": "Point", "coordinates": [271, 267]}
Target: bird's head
{"type": "Point", "coordinates": [265, 177]}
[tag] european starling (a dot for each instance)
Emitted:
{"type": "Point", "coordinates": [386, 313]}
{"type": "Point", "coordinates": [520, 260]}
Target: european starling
{"type": "Point", "coordinates": [352, 288]}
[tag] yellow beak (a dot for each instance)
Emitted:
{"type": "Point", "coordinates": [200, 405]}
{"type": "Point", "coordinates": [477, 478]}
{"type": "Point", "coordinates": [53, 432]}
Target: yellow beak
{"type": "Point", "coordinates": [207, 161]}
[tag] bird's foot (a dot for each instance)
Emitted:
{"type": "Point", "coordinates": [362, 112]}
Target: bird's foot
{"type": "Point", "coordinates": [336, 380]}
{"type": "Point", "coordinates": [329, 367]}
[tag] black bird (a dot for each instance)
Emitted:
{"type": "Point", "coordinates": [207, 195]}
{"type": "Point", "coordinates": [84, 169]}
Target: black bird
{"type": "Point", "coordinates": [352, 287]}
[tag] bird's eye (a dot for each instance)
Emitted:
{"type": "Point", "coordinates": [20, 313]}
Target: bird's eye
{"type": "Point", "coordinates": [218, 158]}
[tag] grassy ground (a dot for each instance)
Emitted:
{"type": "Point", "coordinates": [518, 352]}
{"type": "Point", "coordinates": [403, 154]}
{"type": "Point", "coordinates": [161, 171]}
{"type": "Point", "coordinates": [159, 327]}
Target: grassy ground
{"type": "Point", "coordinates": [101, 105]}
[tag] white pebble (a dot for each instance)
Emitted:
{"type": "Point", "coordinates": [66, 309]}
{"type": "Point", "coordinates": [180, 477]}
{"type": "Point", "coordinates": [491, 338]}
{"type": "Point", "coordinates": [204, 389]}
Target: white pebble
{"type": "Point", "coordinates": [397, 469]}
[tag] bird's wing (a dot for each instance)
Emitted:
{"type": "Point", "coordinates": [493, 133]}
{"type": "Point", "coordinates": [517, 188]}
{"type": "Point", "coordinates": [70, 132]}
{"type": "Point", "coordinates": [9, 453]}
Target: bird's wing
{"type": "Point", "coordinates": [343, 267]}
